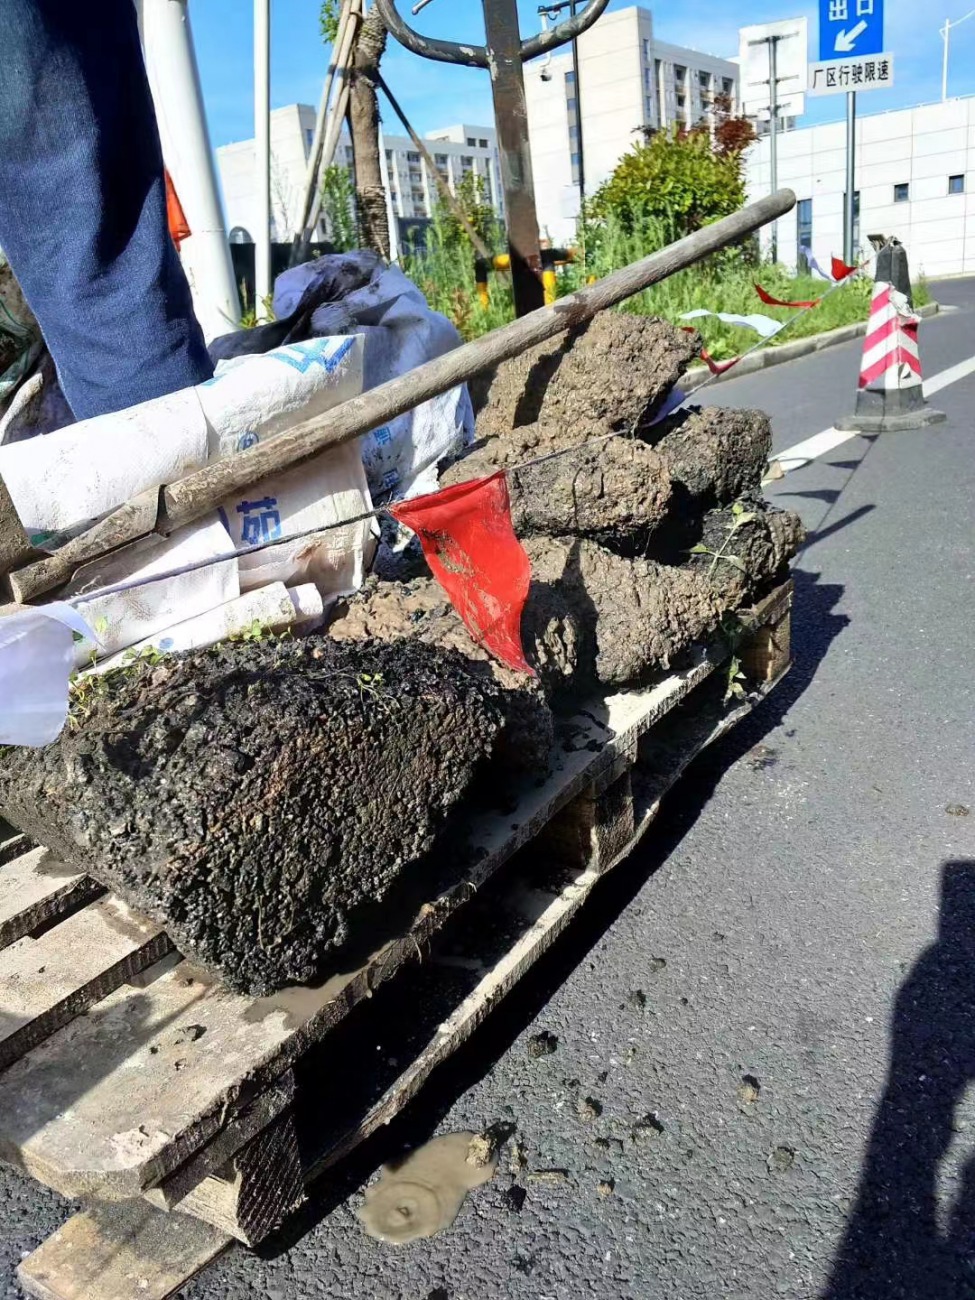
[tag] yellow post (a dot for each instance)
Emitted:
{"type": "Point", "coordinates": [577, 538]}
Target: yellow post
{"type": "Point", "coordinates": [549, 284]}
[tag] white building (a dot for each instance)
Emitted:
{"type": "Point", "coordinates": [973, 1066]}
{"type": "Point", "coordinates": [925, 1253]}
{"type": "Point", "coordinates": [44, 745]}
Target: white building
{"type": "Point", "coordinates": [628, 81]}
{"type": "Point", "coordinates": [457, 151]}
{"type": "Point", "coordinates": [915, 178]}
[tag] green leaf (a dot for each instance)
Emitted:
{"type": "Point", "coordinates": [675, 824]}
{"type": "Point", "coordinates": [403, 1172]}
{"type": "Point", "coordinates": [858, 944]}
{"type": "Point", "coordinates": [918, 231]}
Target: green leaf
{"type": "Point", "coordinates": [701, 549]}
{"type": "Point", "coordinates": [735, 561]}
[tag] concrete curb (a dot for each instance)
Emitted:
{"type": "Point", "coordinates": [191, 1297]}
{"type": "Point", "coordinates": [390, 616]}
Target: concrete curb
{"type": "Point", "coordinates": [765, 357]}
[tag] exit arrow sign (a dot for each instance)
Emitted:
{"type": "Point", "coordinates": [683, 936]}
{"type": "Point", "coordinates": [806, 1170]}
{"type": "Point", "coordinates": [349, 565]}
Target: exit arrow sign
{"type": "Point", "coordinates": [850, 28]}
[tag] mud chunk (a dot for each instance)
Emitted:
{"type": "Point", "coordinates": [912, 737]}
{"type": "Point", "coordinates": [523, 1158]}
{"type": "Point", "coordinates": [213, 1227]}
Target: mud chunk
{"type": "Point", "coordinates": [608, 374]}
{"type": "Point", "coordinates": [261, 798]}
{"type": "Point", "coordinates": [419, 610]}
{"type": "Point", "coordinates": [781, 1160]}
{"type": "Point", "coordinates": [614, 492]}
{"type": "Point", "coordinates": [593, 616]}
{"type": "Point", "coordinates": [543, 1044]}
{"type": "Point", "coordinates": [650, 1126]}
{"type": "Point", "coordinates": [606, 1187]}
{"type": "Point", "coordinates": [588, 1109]}
{"type": "Point", "coordinates": [746, 546]}
{"type": "Point", "coordinates": [749, 1090]}
{"type": "Point", "coordinates": [715, 454]}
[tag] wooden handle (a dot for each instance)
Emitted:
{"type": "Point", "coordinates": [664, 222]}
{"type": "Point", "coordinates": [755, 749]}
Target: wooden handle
{"type": "Point", "coordinates": [190, 498]}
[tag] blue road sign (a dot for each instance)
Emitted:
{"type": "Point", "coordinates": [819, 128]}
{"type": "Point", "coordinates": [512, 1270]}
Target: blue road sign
{"type": "Point", "coordinates": [849, 28]}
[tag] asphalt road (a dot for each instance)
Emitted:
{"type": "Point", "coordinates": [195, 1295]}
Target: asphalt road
{"type": "Point", "coordinates": [802, 927]}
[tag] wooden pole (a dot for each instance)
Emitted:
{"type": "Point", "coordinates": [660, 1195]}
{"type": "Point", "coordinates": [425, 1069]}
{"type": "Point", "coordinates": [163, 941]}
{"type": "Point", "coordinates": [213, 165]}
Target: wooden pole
{"type": "Point", "coordinates": [192, 497]}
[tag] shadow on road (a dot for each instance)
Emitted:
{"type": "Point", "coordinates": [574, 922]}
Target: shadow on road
{"type": "Point", "coordinates": [897, 1246]}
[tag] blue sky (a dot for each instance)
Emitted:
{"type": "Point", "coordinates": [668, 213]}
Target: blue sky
{"type": "Point", "coordinates": [434, 94]}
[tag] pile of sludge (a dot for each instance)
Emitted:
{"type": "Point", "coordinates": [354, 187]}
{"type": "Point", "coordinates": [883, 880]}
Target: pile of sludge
{"type": "Point", "coordinates": [273, 802]}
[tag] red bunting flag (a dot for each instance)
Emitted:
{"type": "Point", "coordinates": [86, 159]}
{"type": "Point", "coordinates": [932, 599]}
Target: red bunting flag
{"type": "Point", "coordinates": [840, 269]}
{"type": "Point", "coordinates": [780, 302]}
{"type": "Point", "coordinates": [467, 538]}
{"type": "Point", "coordinates": [717, 367]}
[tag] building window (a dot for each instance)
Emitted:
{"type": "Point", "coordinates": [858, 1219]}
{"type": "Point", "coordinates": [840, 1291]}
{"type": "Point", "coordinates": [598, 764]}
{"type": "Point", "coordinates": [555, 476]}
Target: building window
{"type": "Point", "coordinates": [471, 142]}
{"type": "Point", "coordinates": [572, 104]}
{"type": "Point", "coordinates": [574, 159]}
{"type": "Point", "coordinates": [680, 72]}
{"type": "Point", "coordinates": [956, 185]}
{"type": "Point", "coordinates": [570, 78]}
{"type": "Point", "coordinates": [413, 157]}
{"type": "Point", "coordinates": [727, 86]}
{"type": "Point", "coordinates": [803, 233]}
{"type": "Point", "coordinates": [482, 144]}
{"type": "Point", "coordinates": [440, 159]}
{"type": "Point", "coordinates": [704, 79]}
{"type": "Point", "coordinates": [856, 219]}
{"type": "Point", "coordinates": [467, 161]}
{"type": "Point", "coordinates": [309, 137]}
{"type": "Point", "coordinates": [902, 193]}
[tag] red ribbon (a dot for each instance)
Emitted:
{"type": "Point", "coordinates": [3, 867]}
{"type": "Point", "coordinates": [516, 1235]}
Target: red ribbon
{"type": "Point", "coordinates": [717, 367]}
{"type": "Point", "coordinates": [467, 538]}
{"type": "Point", "coordinates": [779, 302]}
{"type": "Point", "coordinates": [840, 269]}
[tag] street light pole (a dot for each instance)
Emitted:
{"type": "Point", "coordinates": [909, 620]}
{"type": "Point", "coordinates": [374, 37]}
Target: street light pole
{"type": "Point", "coordinates": [552, 11]}
{"type": "Point", "coordinates": [945, 34]}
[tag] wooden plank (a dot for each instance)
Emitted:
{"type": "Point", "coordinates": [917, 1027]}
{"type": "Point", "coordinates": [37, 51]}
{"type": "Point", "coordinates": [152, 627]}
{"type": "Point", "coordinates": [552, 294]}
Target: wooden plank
{"type": "Point", "coordinates": [128, 1251]}
{"type": "Point", "coordinates": [257, 1189]}
{"type": "Point", "coordinates": [12, 847]}
{"type": "Point", "coordinates": [94, 1110]}
{"type": "Point", "coordinates": [46, 982]}
{"type": "Point", "coordinates": [209, 1160]}
{"type": "Point", "coordinates": [35, 888]}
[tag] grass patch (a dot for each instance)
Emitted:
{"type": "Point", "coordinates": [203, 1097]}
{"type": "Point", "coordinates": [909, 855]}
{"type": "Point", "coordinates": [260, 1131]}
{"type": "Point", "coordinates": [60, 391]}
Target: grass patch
{"type": "Point", "coordinates": [445, 273]}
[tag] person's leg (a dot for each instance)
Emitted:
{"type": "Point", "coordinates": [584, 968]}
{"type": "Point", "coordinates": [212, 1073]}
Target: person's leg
{"type": "Point", "coordinates": [83, 205]}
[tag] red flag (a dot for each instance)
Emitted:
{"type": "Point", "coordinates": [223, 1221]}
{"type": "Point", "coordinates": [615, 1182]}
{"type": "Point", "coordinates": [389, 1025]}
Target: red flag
{"type": "Point", "coordinates": [467, 538]}
{"type": "Point", "coordinates": [717, 367]}
{"type": "Point", "coordinates": [175, 216]}
{"type": "Point", "coordinates": [840, 269]}
{"type": "Point", "coordinates": [779, 302]}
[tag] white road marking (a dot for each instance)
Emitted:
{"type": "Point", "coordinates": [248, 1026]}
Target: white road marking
{"type": "Point", "coordinates": [820, 443]}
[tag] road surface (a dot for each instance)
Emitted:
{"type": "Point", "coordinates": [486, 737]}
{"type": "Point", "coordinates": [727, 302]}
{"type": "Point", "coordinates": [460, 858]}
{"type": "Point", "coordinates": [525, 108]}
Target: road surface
{"type": "Point", "coordinates": [804, 908]}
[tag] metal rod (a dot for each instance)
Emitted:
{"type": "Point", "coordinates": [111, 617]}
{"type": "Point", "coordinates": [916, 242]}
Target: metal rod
{"type": "Point", "coordinates": [849, 200]}
{"type": "Point", "coordinates": [773, 86]}
{"type": "Point", "coordinates": [452, 202]}
{"type": "Point", "coordinates": [262, 151]}
{"type": "Point", "coordinates": [575, 73]}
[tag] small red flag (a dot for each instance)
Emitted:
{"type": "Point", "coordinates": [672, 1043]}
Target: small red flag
{"type": "Point", "coordinates": [779, 302]}
{"type": "Point", "coordinates": [175, 216]}
{"type": "Point", "coordinates": [467, 538]}
{"type": "Point", "coordinates": [717, 367]}
{"type": "Point", "coordinates": [840, 269]}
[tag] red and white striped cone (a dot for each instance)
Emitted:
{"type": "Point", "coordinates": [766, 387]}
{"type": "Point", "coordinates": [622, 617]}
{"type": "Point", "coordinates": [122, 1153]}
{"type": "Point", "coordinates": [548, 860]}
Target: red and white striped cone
{"type": "Point", "coordinates": [890, 394]}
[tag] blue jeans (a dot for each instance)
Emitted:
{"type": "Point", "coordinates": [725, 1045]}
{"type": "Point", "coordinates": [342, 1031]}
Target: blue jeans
{"type": "Point", "coordinates": [83, 205]}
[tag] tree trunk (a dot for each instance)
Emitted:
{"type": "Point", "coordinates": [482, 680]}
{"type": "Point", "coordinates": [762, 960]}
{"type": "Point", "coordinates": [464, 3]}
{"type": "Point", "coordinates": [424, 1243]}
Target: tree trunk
{"type": "Point", "coordinates": [364, 127]}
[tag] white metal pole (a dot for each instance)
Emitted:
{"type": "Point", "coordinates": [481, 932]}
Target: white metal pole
{"type": "Point", "coordinates": [390, 212]}
{"type": "Point", "coordinates": [262, 152]}
{"type": "Point", "coordinates": [945, 35]}
{"type": "Point", "coordinates": [849, 210]}
{"type": "Point", "coordinates": [773, 85]}
{"type": "Point", "coordinates": [175, 83]}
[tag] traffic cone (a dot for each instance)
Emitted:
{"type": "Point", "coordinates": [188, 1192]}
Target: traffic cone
{"type": "Point", "coordinates": [890, 395]}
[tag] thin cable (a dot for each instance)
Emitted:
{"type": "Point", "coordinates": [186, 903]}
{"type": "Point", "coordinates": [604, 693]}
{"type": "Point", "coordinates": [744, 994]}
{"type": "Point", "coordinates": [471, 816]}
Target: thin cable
{"type": "Point", "coordinates": [132, 583]}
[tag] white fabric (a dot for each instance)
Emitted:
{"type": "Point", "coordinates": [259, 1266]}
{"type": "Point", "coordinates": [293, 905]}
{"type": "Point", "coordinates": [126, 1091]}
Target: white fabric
{"type": "Point", "coordinates": [36, 658]}
{"type": "Point", "coordinates": [763, 325]}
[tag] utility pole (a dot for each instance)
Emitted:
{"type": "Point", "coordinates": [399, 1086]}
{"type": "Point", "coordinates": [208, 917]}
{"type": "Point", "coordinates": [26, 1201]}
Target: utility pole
{"type": "Point", "coordinates": [552, 11]}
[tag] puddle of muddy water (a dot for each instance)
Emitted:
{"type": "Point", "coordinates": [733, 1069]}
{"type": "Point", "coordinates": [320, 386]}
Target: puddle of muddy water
{"type": "Point", "coordinates": [421, 1195]}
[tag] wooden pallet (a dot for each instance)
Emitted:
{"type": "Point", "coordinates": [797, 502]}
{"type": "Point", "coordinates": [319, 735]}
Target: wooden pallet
{"type": "Point", "coordinates": [134, 1079]}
